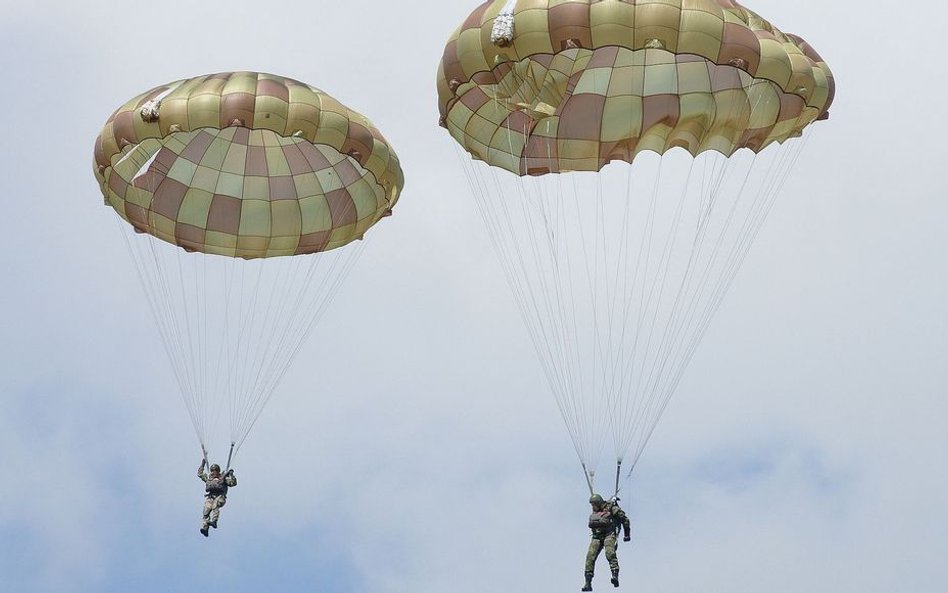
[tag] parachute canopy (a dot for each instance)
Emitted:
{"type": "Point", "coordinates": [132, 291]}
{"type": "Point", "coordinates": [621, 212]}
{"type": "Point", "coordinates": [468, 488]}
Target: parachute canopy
{"type": "Point", "coordinates": [238, 169]}
{"type": "Point", "coordinates": [246, 164]}
{"type": "Point", "coordinates": [537, 87]}
{"type": "Point", "coordinates": [618, 270]}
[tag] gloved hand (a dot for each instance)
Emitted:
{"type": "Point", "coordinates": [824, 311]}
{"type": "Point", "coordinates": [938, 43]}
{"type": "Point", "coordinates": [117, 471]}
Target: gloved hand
{"type": "Point", "coordinates": [627, 538]}
{"type": "Point", "coordinates": [230, 472]}
{"type": "Point", "coordinates": [203, 463]}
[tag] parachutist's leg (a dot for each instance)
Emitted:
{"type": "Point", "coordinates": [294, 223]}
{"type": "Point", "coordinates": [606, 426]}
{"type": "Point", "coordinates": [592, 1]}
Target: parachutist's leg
{"type": "Point", "coordinates": [595, 546]}
{"type": "Point", "coordinates": [208, 507]}
{"type": "Point", "coordinates": [610, 545]}
{"type": "Point", "coordinates": [216, 510]}
{"type": "Point", "coordinates": [204, 518]}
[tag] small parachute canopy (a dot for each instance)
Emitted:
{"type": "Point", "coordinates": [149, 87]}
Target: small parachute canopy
{"type": "Point", "coordinates": [246, 164]}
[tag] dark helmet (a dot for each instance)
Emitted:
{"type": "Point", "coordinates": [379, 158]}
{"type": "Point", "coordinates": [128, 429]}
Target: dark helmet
{"type": "Point", "coordinates": [596, 499]}
{"type": "Point", "coordinates": [215, 468]}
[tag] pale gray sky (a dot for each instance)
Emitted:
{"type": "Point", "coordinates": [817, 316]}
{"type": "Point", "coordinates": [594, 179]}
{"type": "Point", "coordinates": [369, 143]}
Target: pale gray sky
{"type": "Point", "coordinates": [803, 451]}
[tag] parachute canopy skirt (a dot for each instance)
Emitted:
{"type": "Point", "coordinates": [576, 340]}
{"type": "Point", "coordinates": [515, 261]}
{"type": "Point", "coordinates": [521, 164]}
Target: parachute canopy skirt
{"type": "Point", "coordinates": [245, 164]}
{"type": "Point", "coordinates": [539, 86]}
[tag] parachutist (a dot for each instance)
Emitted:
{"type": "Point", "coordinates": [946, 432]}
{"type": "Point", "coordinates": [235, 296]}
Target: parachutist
{"type": "Point", "coordinates": [605, 521]}
{"type": "Point", "coordinates": [215, 493]}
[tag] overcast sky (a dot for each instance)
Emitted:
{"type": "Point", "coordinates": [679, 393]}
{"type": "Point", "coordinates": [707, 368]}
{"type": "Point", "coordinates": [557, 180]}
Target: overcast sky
{"type": "Point", "coordinates": [421, 450]}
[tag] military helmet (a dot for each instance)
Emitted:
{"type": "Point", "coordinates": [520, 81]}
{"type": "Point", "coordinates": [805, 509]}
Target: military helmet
{"type": "Point", "coordinates": [215, 467]}
{"type": "Point", "coordinates": [596, 499]}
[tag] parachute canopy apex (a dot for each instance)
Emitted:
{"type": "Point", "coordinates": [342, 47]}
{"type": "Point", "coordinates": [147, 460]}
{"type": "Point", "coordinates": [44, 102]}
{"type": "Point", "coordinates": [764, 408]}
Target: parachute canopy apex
{"type": "Point", "coordinates": [246, 164]}
{"type": "Point", "coordinates": [547, 86]}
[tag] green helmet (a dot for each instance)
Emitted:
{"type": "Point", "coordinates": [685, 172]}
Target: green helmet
{"type": "Point", "coordinates": [596, 499]}
{"type": "Point", "coordinates": [215, 467]}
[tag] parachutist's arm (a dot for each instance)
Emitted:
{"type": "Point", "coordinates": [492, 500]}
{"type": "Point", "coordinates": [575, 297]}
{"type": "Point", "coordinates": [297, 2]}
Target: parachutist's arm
{"type": "Point", "coordinates": [623, 520]}
{"type": "Point", "coordinates": [230, 479]}
{"type": "Point", "coordinates": [201, 473]}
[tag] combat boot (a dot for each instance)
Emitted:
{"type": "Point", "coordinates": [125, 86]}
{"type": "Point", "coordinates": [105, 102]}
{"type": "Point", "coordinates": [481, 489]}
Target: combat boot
{"type": "Point", "coordinates": [204, 531]}
{"type": "Point", "coordinates": [615, 578]}
{"type": "Point", "coordinates": [589, 582]}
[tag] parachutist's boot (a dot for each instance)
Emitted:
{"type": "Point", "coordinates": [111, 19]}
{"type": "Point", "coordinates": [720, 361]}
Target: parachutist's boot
{"type": "Point", "coordinates": [212, 524]}
{"type": "Point", "coordinates": [204, 531]}
{"type": "Point", "coordinates": [615, 578]}
{"type": "Point", "coordinates": [589, 582]}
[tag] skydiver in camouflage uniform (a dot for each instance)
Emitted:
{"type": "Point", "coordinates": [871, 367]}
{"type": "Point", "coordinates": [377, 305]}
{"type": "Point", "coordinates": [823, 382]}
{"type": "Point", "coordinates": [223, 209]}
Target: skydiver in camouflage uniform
{"type": "Point", "coordinates": [605, 521]}
{"type": "Point", "coordinates": [215, 496]}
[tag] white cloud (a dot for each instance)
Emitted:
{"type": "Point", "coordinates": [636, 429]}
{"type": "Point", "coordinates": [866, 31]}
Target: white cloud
{"type": "Point", "coordinates": [803, 451]}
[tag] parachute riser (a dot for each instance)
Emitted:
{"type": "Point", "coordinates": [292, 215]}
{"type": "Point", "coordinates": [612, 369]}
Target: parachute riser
{"type": "Point", "coordinates": [589, 479]}
{"type": "Point", "coordinates": [618, 472]}
{"type": "Point", "coordinates": [230, 456]}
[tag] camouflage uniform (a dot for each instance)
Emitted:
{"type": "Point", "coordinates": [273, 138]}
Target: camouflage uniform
{"type": "Point", "coordinates": [605, 522]}
{"type": "Point", "coordinates": [215, 495]}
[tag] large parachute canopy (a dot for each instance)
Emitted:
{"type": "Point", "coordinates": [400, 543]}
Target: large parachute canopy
{"type": "Point", "coordinates": [572, 85]}
{"type": "Point", "coordinates": [618, 270]}
{"type": "Point", "coordinates": [262, 181]}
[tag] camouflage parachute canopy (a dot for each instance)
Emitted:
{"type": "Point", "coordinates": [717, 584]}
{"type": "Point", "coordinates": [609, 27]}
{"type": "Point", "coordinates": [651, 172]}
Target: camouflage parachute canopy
{"type": "Point", "coordinates": [246, 164]}
{"type": "Point", "coordinates": [540, 86]}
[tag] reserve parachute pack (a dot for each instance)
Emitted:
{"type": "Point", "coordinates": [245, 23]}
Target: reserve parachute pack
{"type": "Point", "coordinates": [216, 486]}
{"type": "Point", "coordinates": [606, 518]}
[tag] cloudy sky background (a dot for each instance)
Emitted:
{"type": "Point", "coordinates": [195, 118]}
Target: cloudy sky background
{"type": "Point", "coordinates": [421, 451]}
